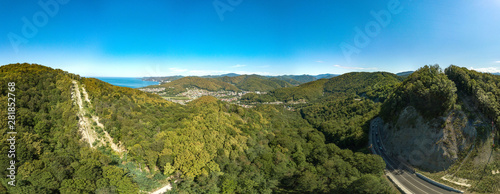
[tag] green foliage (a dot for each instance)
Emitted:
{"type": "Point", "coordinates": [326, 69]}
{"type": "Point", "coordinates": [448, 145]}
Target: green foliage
{"type": "Point", "coordinates": [116, 177]}
{"type": "Point", "coordinates": [428, 90]}
{"type": "Point", "coordinates": [179, 85]}
{"type": "Point", "coordinates": [483, 87]}
{"type": "Point", "coordinates": [344, 121]}
{"type": "Point", "coordinates": [257, 83]}
{"type": "Point", "coordinates": [208, 145]}
{"type": "Point", "coordinates": [309, 91]}
{"type": "Point", "coordinates": [49, 155]}
{"type": "Point", "coordinates": [280, 150]}
{"type": "Point", "coordinates": [297, 79]}
{"type": "Point", "coordinates": [370, 184]}
{"type": "Point", "coordinates": [376, 86]}
{"type": "Point", "coordinates": [253, 97]}
{"type": "Point", "coordinates": [237, 83]}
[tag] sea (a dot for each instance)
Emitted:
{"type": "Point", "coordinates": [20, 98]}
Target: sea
{"type": "Point", "coordinates": [130, 82]}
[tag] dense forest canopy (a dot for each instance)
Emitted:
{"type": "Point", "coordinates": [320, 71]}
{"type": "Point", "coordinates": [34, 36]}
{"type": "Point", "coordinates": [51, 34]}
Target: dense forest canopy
{"type": "Point", "coordinates": [51, 158]}
{"type": "Point", "coordinates": [484, 88]}
{"type": "Point", "coordinates": [258, 83]}
{"type": "Point", "coordinates": [227, 83]}
{"type": "Point", "coordinates": [428, 90]}
{"type": "Point", "coordinates": [292, 79]}
{"type": "Point", "coordinates": [207, 145]}
{"type": "Point", "coordinates": [376, 86]}
{"type": "Point", "coordinates": [213, 146]}
{"type": "Point", "coordinates": [210, 84]}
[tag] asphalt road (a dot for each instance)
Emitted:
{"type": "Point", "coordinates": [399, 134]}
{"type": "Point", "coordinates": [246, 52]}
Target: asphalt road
{"type": "Point", "coordinates": [400, 172]}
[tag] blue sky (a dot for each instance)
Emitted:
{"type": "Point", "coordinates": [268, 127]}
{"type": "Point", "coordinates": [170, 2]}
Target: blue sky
{"type": "Point", "coordinates": [180, 37]}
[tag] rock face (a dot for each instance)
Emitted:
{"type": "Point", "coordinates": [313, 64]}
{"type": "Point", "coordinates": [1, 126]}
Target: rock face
{"type": "Point", "coordinates": [431, 145]}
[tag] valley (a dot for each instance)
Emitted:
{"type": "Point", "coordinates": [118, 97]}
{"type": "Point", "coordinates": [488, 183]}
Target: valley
{"type": "Point", "coordinates": [237, 97]}
{"type": "Point", "coordinates": [348, 133]}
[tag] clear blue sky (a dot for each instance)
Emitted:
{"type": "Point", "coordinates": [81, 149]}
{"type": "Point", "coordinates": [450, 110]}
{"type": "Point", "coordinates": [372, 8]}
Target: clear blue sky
{"type": "Point", "coordinates": [180, 37]}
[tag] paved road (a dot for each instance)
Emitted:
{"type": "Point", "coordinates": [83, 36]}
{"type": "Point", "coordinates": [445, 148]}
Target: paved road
{"type": "Point", "coordinates": [401, 173]}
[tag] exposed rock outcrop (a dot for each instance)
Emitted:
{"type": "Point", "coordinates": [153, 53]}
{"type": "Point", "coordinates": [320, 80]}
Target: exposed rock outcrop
{"type": "Point", "coordinates": [431, 145]}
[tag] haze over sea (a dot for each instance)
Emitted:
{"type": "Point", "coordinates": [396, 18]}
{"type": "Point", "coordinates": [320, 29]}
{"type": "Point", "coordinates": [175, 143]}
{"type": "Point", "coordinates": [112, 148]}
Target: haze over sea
{"type": "Point", "coordinates": [131, 82]}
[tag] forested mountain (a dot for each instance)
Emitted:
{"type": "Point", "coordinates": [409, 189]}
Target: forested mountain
{"type": "Point", "coordinates": [340, 107]}
{"type": "Point", "coordinates": [258, 83]}
{"type": "Point", "coordinates": [297, 78]}
{"type": "Point", "coordinates": [213, 146]}
{"type": "Point", "coordinates": [292, 79]}
{"type": "Point", "coordinates": [304, 78]}
{"type": "Point", "coordinates": [210, 84]}
{"type": "Point", "coordinates": [50, 158]}
{"type": "Point", "coordinates": [163, 79]}
{"type": "Point", "coordinates": [483, 87]}
{"type": "Point", "coordinates": [456, 113]}
{"type": "Point", "coordinates": [226, 83]}
{"type": "Point", "coordinates": [376, 86]}
{"type": "Point", "coordinates": [428, 90]}
{"type": "Point", "coordinates": [207, 145]}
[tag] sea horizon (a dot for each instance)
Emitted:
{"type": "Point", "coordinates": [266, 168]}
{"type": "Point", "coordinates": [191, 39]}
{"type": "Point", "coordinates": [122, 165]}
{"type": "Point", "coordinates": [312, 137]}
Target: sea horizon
{"type": "Point", "coordinates": [130, 82]}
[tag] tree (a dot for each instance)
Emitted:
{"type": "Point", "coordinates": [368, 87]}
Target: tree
{"type": "Point", "coordinates": [370, 184]}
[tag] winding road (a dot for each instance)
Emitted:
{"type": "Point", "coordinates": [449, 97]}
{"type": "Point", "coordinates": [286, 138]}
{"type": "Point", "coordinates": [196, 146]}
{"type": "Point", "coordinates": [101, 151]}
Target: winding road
{"type": "Point", "coordinates": [405, 177]}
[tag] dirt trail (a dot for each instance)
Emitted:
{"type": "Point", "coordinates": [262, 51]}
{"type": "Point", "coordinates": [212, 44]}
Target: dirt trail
{"type": "Point", "coordinates": [86, 123]}
{"type": "Point", "coordinates": [457, 180]}
{"type": "Point", "coordinates": [163, 189]}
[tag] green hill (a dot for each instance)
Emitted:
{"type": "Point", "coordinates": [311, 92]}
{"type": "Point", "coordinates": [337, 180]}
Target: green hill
{"type": "Point", "coordinates": [447, 115]}
{"type": "Point", "coordinates": [226, 83]}
{"type": "Point", "coordinates": [428, 90]}
{"type": "Point", "coordinates": [483, 87]}
{"type": "Point", "coordinates": [257, 83]}
{"type": "Point", "coordinates": [297, 79]}
{"type": "Point", "coordinates": [291, 79]}
{"type": "Point", "coordinates": [50, 158]}
{"type": "Point", "coordinates": [210, 84]}
{"type": "Point", "coordinates": [308, 91]}
{"type": "Point", "coordinates": [340, 107]}
{"type": "Point", "coordinates": [376, 85]}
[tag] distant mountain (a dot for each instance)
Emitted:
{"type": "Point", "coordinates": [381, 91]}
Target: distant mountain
{"type": "Point", "coordinates": [376, 86]}
{"type": "Point", "coordinates": [223, 75]}
{"type": "Point", "coordinates": [305, 78]}
{"type": "Point", "coordinates": [210, 84]}
{"type": "Point", "coordinates": [230, 75]}
{"type": "Point", "coordinates": [325, 76]}
{"type": "Point", "coordinates": [257, 82]}
{"type": "Point", "coordinates": [300, 79]}
{"type": "Point", "coordinates": [227, 83]}
{"type": "Point", "coordinates": [162, 79]}
{"type": "Point", "coordinates": [404, 73]}
{"type": "Point", "coordinates": [292, 79]}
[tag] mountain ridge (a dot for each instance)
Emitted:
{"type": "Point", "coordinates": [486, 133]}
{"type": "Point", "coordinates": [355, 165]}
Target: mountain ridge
{"type": "Point", "coordinates": [300, 78]}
